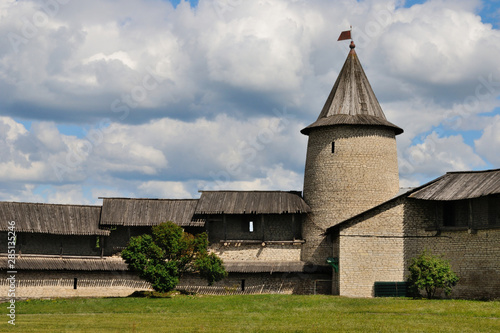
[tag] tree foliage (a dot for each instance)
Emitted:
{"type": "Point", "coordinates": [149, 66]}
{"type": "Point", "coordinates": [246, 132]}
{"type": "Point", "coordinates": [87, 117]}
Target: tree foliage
{"type": "Point", "coordinates": [211, 268]}
{"type": "Point", "coordinates": [164, 256]}
{"type": "Point", "coordinates": [430, 273]}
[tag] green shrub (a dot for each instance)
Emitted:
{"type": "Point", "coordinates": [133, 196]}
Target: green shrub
{"type": "Point", "coordinates": [430, 273]}
{"type": "Point", "coordinates": [211, 268]}
{"type": "Point", "coordinates": [163, 257]}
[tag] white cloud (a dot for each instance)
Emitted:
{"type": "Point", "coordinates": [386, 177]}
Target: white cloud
{"type": "Point", "coordinates": [206, 81]}
{"type": "Point", "coordinates": [436, 156]}
{"type": "Point", "coordinates": [124, 156]}
{"type": "Point", "coordinates": [164, 189]}
{"type": "Point", "coordinates": [10, 129]}
{"type": "Point", "coordinates": [275, 178]}
{"type": "Point", "coordinates": [67, 194]}
{"type": "Point", "coordinates": [21, 193]}
{"type": "Point", "coordinates": [488, 145]}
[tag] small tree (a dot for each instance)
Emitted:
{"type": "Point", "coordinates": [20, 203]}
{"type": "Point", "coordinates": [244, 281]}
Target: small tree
{"type": "Point", "coordinates": [163, 257]}
{"type": "Point", "coordinates": [429, 272]}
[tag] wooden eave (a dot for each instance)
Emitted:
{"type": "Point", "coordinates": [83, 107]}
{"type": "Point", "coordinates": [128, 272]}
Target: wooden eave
{"type": "Point", "coordinates": [65, 263]}
{"type": "Point", "coordinates": [52, 218]}
{"type": "Point", "coordinates": [461, 185]}
{"type": "Point", "coordinates": [149, 212]}
{"type": "Point", "coordinates": [264, 266]}
{"type": "Point", "coordinates": [250, 202]}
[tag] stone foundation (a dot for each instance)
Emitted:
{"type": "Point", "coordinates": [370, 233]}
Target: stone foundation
{"type": "Point", "coordinates": [288, 283]}
{"type": "Point", "coordinates": [43, 284]}
{"type": "Point", "coordinates": [54, 284]}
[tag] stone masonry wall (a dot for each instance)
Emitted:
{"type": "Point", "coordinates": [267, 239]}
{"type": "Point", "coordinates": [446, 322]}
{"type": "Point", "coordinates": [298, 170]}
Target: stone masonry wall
{"type": "Point", "coordinates": [361, 173]}
{"type": "Point", "coordinates": [372, 250]}
{"type": "Point", "coordinates": [474, 257]}
{"type": "Point", "coordinates": [473, 253]}
{"type": "Point", "coordinates": [257, 252]}
{"type": "Point", "coordinates": [380, 246]}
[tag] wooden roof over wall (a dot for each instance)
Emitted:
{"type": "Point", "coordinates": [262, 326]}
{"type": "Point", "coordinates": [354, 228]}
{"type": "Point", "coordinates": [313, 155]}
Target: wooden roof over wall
{"type": "Point", "coordinates": [461, 185]}
{"type": "Point", "coordinates": [264, 267]}
{"type": "Point", "coordinates": [452, 186]}
{"type": "Point", "coordinates": [149, 212]}
{"type": "Point", "coordinates": [52, 218]}
{"type": "Point", "coordinates": [250, 202]}
{"type": "Point", "coordinates": [53, 263]}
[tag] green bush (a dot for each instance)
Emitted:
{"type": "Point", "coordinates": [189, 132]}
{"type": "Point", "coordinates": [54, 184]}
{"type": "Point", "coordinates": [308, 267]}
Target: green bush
{"type": "Point", "coordinates": [163, 257]}
{"type": "Point", "coordinates": [211, 268]}
{"type": "Point", "coordinates": [430, 273]}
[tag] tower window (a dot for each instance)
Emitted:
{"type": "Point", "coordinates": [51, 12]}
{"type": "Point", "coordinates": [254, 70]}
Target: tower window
{"type": "Point", "coordinates": [333, 147]}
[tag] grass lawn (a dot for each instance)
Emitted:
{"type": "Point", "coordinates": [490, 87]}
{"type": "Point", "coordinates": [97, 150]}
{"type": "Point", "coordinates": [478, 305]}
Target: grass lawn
{"type": "Point", "coordinates": [253, 313]}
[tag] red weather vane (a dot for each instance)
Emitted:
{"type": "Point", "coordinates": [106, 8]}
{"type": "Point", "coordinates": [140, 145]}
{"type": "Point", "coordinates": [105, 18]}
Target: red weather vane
{"type": "Point", "coordinates": [345, 35]}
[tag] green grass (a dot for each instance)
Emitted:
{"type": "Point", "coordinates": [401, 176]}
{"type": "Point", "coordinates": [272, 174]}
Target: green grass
{"type": "Point", "coordinates": [253, 313]}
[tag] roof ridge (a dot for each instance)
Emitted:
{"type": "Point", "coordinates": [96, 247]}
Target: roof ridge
{"type": "Point", "coordinates": [49, 204]}
{"type": "Point", "coordinates": [473, 171]}
{"type": "Point", "coordinates": [284, 191]}
{"type": "Point", "coordinates": [161, 199]}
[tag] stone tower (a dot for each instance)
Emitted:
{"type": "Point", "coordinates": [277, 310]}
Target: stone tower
{"type": "Point", "coordinates": [351, 162]}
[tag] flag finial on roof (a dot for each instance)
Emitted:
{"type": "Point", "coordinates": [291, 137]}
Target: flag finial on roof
{"type": "Point", "coordinates": [345, 35]}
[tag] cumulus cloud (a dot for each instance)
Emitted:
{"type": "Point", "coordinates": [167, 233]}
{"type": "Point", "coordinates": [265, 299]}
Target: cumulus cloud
{"type": "Point", "coordinates": [177, 99]}
{"type": "Point", "coordinates": [161, 189]}
{"type": "Point", "coordinates": [437, 155]}
{"type": "Point", "coordinates": [488, 145]}
{"type": "Point", "coordinates": [245, 56]}
{"type": "Point", "coordinates": [140, 159]}
{"type": "Point", "coordinates": [276, 178]}
{"type": "Point", "coordinates": [67, 194]}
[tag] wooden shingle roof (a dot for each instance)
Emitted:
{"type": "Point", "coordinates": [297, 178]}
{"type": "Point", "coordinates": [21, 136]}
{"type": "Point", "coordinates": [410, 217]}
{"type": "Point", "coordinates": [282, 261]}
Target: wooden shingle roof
{"type": "Point", "coordinates": [264, 267]}
{"type": "Point", "coordinates": [52, 218]}
{"type": "Point", "coordinates": [53, 263]}
{"type": "Point", "coordinates": [452, 186]}
{"type": "Point", "coordinates": [461, 185]}
{"type": "Point", "coordinates": [250, 202]}
{"type": "Point", "coordinates": [352, 100]}
{"type": "Point", "coordinates": [149, 212]}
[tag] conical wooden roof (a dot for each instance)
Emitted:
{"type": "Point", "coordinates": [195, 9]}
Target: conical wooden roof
{"type": "Point", "coordinates": [352, 100]}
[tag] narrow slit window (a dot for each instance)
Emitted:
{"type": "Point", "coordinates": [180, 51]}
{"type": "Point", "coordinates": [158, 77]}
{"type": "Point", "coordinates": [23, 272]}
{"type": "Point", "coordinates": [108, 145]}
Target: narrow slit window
{"type": "Point", "coordinates": [333, 147]}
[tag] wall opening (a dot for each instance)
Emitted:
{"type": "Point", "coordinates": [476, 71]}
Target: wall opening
{"type": "Point", "coordinates": [448, 214]}
{"type": "Point", "coordinates": [494, 210]}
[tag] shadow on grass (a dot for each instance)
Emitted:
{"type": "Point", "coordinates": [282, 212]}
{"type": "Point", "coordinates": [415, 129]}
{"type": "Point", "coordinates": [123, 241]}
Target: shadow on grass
{"type": "Point", "coordinates": [156, 294]}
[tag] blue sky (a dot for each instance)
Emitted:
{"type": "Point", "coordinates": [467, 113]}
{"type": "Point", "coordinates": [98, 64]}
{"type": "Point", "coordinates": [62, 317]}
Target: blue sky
{"type": "Point", "coordinates": [193, 3]}
{"type": "Point", "coordinates": [151, 98]}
